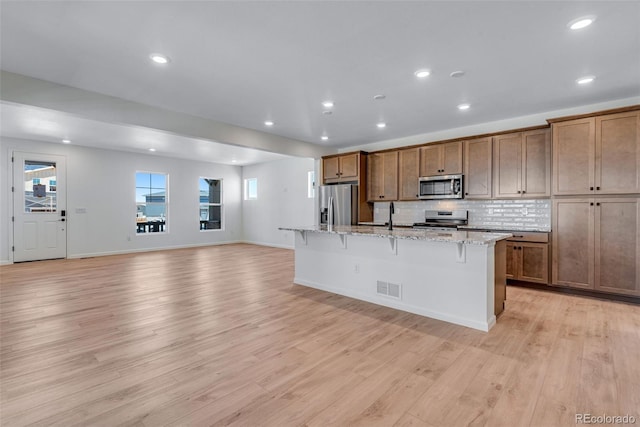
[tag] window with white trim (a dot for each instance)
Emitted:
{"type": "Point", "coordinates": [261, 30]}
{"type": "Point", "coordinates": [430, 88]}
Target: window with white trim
{"type": "Point", "coordinates": [251, 188]}
{"type": "Point", "coordinates": [210, 200]}
{"type": "Point", "coordinates": [152, 199]}
{"type": "Point", "coordinates": [311, 184]}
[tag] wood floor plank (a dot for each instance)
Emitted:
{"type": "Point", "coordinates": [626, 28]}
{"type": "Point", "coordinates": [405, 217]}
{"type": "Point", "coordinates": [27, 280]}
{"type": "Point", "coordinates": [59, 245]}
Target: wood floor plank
{"type": "Point", "coordinates": [220, 336]}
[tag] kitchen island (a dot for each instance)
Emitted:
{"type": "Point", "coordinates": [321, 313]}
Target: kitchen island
{"type": "Point", "coordinates": [455, 276]}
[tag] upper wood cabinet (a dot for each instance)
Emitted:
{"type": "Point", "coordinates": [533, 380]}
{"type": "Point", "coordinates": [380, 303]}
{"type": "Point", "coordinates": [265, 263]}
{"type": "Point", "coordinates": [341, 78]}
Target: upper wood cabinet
{"type": "Point", "coordinates": [441, 159]}
{"type": "Point", "coordinates": [382, 177]}
{"type": "Point", "coordinates": [408, 174]}
{"type": "Point", "coordinates": [521, 164]}
{"type": "Point", "coordinates": [477, 168]}
{"type": "Point", "coordinates": [596, 244]}
{"type": "Point", "coordinates": [597, 155]}
{"type": "Point", "coordinates": [341, 168]}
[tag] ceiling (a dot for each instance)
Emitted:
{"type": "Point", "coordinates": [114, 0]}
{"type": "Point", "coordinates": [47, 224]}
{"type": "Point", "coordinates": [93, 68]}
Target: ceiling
{"type": "Point", "coordinates": [244, 62]}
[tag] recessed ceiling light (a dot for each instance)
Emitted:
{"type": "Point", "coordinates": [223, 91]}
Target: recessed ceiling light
{"type": "Point", "coordinates": [152, 149]}
{"type": "Point", "coordinates": [464, 107]}
{"type": "Point", "coordinates": [324, 138]}
{"type": "Point", "coordinates": [582, 22]}
{"type": "Point", "coordinates": [456, 74]}
{"type": "Point", "coordinates": [379, 97]}
{"type": "Point", "coordinates": [234, 161]}
{"type": "Point", "coordinates": [269, 123]}
{"type": "Point", "coordinates": [66, 141]}
{"type": "Point", "coordinates": [585, 80]}
{"type": "Point", "coordinates": [381, 125]}
{"type": "Point", "coordinates": [421, 74]}
{"type": "Point", "coordinates": [159, 58]}
{"type": "Point", "coordinates": [327, 104]}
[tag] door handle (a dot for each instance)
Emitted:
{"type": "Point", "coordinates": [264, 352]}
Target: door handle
{"type": "Point", "coordinates": [62, 219]}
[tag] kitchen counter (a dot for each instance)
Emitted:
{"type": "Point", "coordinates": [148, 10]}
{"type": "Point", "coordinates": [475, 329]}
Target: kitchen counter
{"type": "Point", "coordinates": [454, 236]}
{"type": "Point", "coordinates": [385, 224]}
{"type": "Point", "coordinates": [502, 228]}
{"type": "Point", "coordinates": [457, 276]}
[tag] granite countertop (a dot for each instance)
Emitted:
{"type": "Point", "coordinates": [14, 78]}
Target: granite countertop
{"type": "Point", "coordinates": [465, 237]}
{"type": "Point", "coordinates": [384, 224]}
{"type": "Point", "coordinates": [507, 229]}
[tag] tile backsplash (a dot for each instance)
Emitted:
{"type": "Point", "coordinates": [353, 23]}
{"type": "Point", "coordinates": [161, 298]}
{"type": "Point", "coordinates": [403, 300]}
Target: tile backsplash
{"type": "Point", "coordinates": [510, 214]}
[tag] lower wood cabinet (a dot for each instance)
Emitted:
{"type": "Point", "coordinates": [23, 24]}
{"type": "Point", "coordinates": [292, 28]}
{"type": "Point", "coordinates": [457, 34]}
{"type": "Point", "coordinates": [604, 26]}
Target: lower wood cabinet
{"type": "Point", "coordinates": [596, 244]}
{"type": "Point", "coordinates": [528, 257]}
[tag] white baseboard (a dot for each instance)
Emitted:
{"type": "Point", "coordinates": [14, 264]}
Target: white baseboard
{"type": "Point", "coordinates": [164, 248]}
{"type": "Point", "coordinates": [272, 245]}
{"type": "Point", "coordinates": [5, 262]}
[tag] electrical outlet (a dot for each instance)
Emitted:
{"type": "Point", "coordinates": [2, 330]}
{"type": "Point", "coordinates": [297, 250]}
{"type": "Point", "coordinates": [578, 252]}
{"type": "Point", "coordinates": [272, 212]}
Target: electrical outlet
{"type": "Point", "coordinates": [356, 268]}
{"type": "Point", "coordinates": [128, 238]}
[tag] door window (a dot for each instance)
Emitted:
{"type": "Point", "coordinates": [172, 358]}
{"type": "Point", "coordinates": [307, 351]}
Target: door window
{"type": "Point", "coordinates": [40, 185]}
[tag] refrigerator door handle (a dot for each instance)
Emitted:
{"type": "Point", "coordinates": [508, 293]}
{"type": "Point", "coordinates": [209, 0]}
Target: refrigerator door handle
{"type": "Point", "coordinates": [330, 213]}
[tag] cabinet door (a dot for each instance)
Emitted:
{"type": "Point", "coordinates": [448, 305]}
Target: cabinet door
{"type": "Point", "coordinates": [349, 167]}
{"type": "Point", "coordinates": [477, 168]}
{"type": "Point", "coordinates": [536, 164]}
{"type": "Point", "coordinates": [617, 246]}
{"type": "Point", "coordinates": [451, 158]}
{"type": "Point", "coordinates": [534, 262]}
{"type": "Point", "coordinates": [512, 260]}
{"type": "Point", "coordinates": [430, 160]}
{"type": "Point", "coordinates": [507, 163]}
{"type": "Point", "coordinates": [618, 153]}
{"type": "Point", "coordinates": [573, 157]}
{"type": "Point", "coordinates": [331, 169]}
{"type": "Point", "coordinates": [573, 244]}
{"type": "Point", "coordinates": [375, 173]}
{"type": "Point", "coordinates": [390, 176]}
{"type": "Point", "coordinates": [408, 174]}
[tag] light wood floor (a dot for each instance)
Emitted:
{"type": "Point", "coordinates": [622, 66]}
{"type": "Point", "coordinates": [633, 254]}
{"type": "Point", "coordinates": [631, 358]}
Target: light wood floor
{"type": "Point", "coordinates": [219, 335]}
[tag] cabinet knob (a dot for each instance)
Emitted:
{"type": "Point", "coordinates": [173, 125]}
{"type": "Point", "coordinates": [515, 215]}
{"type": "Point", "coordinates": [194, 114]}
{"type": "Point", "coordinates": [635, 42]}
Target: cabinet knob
{"type": "Point", "coordinates": [591, 203]}
{"type": "Point", "coordinates": [466, 194]}
{"type": "Point", "coordinates": [337, 173]}
{"type": "Point", "coordinates": [417, 195]}
{"type": "Point", "coordinates": [598, 204]}
{"type": "Point", "coordinates": [597, 188]}
{"type": "Point", "coordinates": [591, 188]}
{"type": "Point", "coordinates": [519, 191]}
{"type": "Point", "coordinates": [523, 191]}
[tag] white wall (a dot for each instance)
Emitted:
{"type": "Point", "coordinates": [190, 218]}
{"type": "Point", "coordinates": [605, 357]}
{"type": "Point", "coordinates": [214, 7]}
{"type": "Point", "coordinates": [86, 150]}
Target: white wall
{"type": "Point", "coordinates": [492, 127]}
{"type": "Point", "coordinates": [282, 201]}
{"type": "Point", "coordinates": [103, 183]}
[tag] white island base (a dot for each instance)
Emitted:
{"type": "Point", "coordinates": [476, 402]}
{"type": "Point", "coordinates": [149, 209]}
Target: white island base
{"type": "Point", "coordinates": [458, 282]}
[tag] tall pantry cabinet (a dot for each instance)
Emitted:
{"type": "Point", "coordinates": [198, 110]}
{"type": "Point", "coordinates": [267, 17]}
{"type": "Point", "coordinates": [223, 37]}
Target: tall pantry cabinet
{"type": "Point", "coordinates": [596, 206]}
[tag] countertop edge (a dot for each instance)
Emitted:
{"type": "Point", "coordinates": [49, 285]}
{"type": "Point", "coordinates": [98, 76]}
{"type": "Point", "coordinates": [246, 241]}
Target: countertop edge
{"type": "Point", "coordinates": [463, 237]}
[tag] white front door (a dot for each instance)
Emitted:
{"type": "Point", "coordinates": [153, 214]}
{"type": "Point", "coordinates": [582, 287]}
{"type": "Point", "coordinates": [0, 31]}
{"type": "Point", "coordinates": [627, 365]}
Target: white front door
{"type": "Point", "coordinates": [39, 207]}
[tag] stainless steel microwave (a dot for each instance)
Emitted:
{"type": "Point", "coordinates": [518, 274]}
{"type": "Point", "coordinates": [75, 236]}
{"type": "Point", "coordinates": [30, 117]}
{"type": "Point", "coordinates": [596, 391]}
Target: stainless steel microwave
{"type": "Point", "coordinates": [440, 187]}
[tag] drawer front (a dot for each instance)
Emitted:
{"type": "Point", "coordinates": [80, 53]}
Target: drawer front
{"type": "Point", "coordinates": [529, 236]}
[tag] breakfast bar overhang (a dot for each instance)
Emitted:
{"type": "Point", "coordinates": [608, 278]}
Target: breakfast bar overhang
{"type": "Point", "coordinates": [458, 276]}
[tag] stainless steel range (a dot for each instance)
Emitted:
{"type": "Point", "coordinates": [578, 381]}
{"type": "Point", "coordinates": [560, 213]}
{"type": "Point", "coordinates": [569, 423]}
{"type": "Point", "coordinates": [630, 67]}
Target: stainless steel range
{"type": "Point", "coordinates": [443, 220]}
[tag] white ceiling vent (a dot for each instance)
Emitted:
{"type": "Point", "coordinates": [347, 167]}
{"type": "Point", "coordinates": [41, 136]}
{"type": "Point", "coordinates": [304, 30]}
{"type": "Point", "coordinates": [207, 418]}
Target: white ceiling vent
{"type": "Point", "coordinates": [388, 289]}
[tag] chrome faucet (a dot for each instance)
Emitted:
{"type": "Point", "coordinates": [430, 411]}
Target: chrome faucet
{"type": "Point", "coordinates": [391, 212]}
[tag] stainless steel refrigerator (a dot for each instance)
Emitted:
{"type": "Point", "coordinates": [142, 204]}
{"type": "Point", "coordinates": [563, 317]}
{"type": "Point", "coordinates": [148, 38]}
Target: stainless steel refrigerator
{"type": "Point", "coordinates": [344, 200]}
